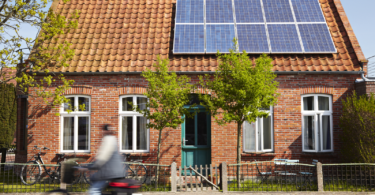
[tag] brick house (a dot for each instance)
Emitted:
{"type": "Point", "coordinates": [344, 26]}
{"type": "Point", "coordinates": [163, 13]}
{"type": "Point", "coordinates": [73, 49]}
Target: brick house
{"type": "Point", "coordinates": [117, 39]}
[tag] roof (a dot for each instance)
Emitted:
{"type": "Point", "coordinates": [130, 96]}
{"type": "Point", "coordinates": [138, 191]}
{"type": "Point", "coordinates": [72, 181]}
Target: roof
{"type": "Point", "coordinates": [127, 36]}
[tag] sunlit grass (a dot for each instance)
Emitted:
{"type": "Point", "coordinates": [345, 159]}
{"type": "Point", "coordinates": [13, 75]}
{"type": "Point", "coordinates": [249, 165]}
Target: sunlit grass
{"type": "Point", "coordinates": [348, 186]}
{"type": "Point", "coordinates": [251, 185]}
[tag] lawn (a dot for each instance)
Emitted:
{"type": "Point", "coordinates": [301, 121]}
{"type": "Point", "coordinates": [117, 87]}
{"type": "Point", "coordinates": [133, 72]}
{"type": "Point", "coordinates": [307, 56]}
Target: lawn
{"type": "Point", "coordinates": [251, 185]}
{"type": "Point", "coordinates": [11, 183]}
{"type": "Point", "coordinates": [349, 186]}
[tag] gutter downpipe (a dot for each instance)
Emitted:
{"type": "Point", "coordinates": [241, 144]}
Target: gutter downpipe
{"type": "Point", "coordinates": [364, 78]}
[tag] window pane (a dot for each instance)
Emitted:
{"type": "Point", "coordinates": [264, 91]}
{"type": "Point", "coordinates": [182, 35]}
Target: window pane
{"type": "Point", "coordinates": [69, 105]}
{"type": "Point", "coordinates": [83, 133]}
{"type": "Point", "coordinates": [326, 124]}
{"type": "Point", "coordinates": [259, 121]}
{"type": "Point", "coordinates": [127, 133]}
{"type": "Point", "coordinates": [141, 102]}
{"type": "Point", "coordinates": [202, 128]}
{"type": "Point", "coordinates": [126, 104]}
{"type": "Point", "coordinates": [189, 131]}
{"type": "Point", "coordinates": [323, 103]}
{"type": "Point", "coordinates": [68, 133]}
{"type": "Point", "coordinates": [84, 101]}
{"type": "Point", "coordinates": [141, 133]}
{"type": "Point", "coordinates": [249, 136]}
{"type": "Point", "coordinates": [267, 133]}
{"type": "Point", "coordinates": [308, 103]}
{"type": "Point", "coordinates": [309, 133]}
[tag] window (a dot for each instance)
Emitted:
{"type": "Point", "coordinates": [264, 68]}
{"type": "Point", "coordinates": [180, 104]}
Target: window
{"type": "Point", "coordinates": [258, 136]}
{"type": "Point", "coordinates": [134, 135]}
{"type": "Point", "coordinates": [317, 123]}
{"type": "Point", "coordinates": [75, 126]}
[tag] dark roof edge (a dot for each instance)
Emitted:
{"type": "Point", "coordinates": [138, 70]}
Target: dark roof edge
{"type": "Point", "coordinates": [191, 72]}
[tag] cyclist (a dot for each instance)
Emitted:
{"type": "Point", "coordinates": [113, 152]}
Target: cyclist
{"type": "Point", "coordinates": [108, 162]}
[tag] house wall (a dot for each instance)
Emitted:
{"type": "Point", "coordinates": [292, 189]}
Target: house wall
{"type": "Point", "coordinates": [44, 125]}
{"type": "Point", "coordinates": [366, 87]}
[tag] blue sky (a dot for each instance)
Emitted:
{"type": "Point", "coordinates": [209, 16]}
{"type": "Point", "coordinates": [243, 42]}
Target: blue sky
{"type": "Point", "coordinates": [361, 16]}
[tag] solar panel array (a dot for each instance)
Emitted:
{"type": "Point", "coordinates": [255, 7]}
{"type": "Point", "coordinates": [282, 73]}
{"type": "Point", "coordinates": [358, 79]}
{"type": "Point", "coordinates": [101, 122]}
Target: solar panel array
{"type": "Point", "coordinates": [260, 26]}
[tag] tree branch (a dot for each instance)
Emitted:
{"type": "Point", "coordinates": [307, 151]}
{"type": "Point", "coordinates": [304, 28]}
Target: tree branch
{"type": "Point", "coordinates": [2, 6]}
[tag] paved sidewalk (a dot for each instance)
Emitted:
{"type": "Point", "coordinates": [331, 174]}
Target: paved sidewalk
{"type": "Point", "coordinates": [219, 193]}
{"type": "Point", "coordinates": [254, 193]}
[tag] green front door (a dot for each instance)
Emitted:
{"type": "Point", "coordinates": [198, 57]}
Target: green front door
{"type": "Point", "coordinates": [196, 140]}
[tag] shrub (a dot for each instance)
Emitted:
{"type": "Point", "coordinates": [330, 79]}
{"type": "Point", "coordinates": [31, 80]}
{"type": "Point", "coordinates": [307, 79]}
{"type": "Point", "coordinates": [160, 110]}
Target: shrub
{"type": "Point", "coordinates": [8, 114]}
{"type": "Point", "coordinates": [358, 125]}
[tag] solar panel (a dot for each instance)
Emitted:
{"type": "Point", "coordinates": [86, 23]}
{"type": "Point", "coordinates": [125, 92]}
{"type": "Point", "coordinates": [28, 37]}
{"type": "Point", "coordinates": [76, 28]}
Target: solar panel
{"type": "Point", "coordinates": [189, 38]}
{"type": "Point", "coordinates": [308, 11]}
{"type": "Point", "coordinates": [316, 38]}
{"type": "Point", "coordinates": [205, 26]}
{"type": "Point", "coordinates": [219, 37]}
{"type": "Point", "coordinates": [248, 11]}
{"type": "Point", "coordinates": [284, 38]}
{"type": "Point", "coordinates": [278, 11]}
{"type": "Point", "coordinates": [190, 11]}
{"type": "Point", "coordinates": [252, 38]}
{"type": "Point", "coordinates": [219, 11]}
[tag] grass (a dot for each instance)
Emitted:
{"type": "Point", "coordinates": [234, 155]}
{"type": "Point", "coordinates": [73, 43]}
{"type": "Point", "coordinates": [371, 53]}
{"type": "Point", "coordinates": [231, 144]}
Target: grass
{"type": "Point", "coordinates": [347, 186]}
{"type": "Point", "coordinates": [250, 185]}
{"type": "Point", "coordinates": [151, 188]}
{"type": "Point", "coordinates": [11, 183]}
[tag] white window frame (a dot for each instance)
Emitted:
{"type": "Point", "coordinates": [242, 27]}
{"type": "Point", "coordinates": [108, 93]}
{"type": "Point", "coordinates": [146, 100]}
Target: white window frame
{"type": "Point", "coordinates": [316, 112]}
{"type": "Point", "coordinates": [75, 113]}
{"type": "Point", "coordinates": [134, 114]}
{"type": "Point", "coordinates": [270, 114]}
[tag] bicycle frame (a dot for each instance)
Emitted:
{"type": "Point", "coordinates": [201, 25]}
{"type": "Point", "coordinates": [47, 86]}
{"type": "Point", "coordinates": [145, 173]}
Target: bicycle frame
{"type": "Point", "coordinates": [38, 159]}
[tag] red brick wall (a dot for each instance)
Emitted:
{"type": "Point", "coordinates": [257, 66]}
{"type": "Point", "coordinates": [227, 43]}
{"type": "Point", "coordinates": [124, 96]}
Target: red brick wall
{"type": "Point", "coordinates": [366, 87]}
{"type": "Point", "coordinates": [105, 92]}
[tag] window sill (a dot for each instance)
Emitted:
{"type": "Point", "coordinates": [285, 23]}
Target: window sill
{"type": "Point", "coordinates": [137, 154]}
{"type": "Point", "coordinates": [73, 155]}
{"type": "Point", "coordinates": [258, 154]}
{"type": "Point", "coordinates": [319, 154]}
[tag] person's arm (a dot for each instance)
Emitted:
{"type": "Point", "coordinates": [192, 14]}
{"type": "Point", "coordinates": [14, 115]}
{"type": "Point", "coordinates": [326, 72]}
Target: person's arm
{"type": "Point", "coordinates": [105, 151]}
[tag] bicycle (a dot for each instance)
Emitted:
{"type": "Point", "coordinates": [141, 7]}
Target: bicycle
{"type": "Point", "coordinates": [138, 172]}
{"type": "Point", "coordinates": [115, 186]}
{"type": "Point", "coordinates": [31, 171]}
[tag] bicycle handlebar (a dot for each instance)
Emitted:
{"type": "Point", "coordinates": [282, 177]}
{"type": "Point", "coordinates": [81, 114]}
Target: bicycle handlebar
{"type": "Point", "coordinates": [40, 149]}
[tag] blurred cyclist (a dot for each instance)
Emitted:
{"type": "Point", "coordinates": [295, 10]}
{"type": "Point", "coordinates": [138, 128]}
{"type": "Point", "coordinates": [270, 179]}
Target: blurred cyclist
{"type": "Point", "coordinates": [108, 162]}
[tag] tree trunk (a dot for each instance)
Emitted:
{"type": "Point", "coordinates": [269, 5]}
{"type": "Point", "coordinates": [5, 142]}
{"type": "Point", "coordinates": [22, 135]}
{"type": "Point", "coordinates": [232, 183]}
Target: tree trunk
{"type": "Point", "coordinates": [3, 158]}
{"type": "Point", "coordinates": [158, 159]}
{"type": "Point", "coordinates": [238, 153]}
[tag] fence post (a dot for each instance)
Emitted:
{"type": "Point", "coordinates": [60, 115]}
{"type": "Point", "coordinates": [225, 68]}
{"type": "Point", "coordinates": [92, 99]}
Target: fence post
{"type": "Point", "coordinates": [224, 177]}
{"type": "Point", "coordinates": [174, 177]}
{"type": "Point", "coordinates": [62, 171]}
{"type": "Point", "coordinates": [319, 174]}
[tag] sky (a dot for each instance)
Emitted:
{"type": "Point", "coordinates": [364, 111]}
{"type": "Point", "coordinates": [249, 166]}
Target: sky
{"type": "Point", "coordinates": [361, 14]}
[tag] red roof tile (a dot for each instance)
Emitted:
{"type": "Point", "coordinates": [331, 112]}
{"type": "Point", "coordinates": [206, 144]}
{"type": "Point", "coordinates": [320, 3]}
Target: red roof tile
{"type": "Point", "coordinates": [127, 35]}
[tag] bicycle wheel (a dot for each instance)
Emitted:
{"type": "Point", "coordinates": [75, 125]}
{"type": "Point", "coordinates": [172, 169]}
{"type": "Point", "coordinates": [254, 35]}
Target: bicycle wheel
{"type": "Point", "coordinates": [30, 173]}
{"type": "Point", "coordinates": [76, 174]}
{"type": "Point", "coordinates": [137, 172]}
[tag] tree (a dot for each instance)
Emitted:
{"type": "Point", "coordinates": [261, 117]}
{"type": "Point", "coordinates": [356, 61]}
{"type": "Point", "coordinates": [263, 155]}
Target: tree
{"type": "Point", "coordinates": [46, 51]}
{"type": "Point", "coordinates": [167, 94]}
{"type": "Point", "coordinates": [239, 90]}
{"type": "Point", "coordinates": [8, 117]}
{"type": "Point", "coordinates": [358, 128]}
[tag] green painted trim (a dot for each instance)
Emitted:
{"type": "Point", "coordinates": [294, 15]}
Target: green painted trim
{"type": "Point", "coordinates": [196, 147]}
